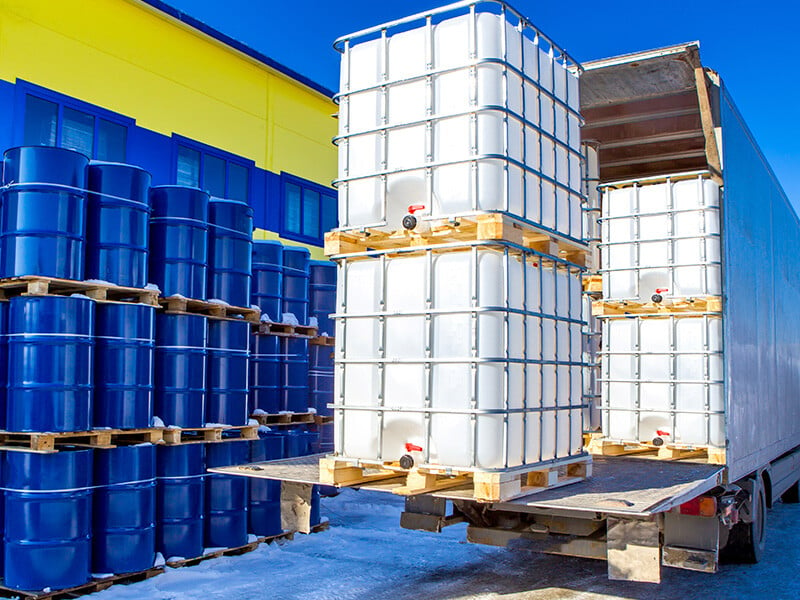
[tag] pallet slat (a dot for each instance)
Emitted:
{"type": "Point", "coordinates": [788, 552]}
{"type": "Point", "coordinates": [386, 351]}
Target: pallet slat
{"type": "Point", "coordinates": [34, 285]}
{"type": "Point", "coordinates": [280, 419]}
{"type": "Point", "coordinates": [198, 435]}
{"type": "Point", "coordinates": [482, 227]}
{"type": "Point", "coordinates": [98, 438]}
{"type": "Point", "coordinates": [286, 330]}
{"type": "Point", "coordinates": [604, 447]}
{"type": "Point", "coordinates": [181, 305]}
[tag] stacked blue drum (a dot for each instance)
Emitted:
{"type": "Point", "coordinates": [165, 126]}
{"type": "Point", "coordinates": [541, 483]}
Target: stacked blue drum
{"type": "Point", "coordinates": [230, 251]}
{"type": "Point", "coordinates": [50, 343]}
{"type": "Point", "coordinates": [180, 503]}
{"type": "Point", "coordinates": [180, 369]}
{"type": "Point", "coordinates": [179, 240]}
{"type": "Point", "coordinates": [48, 519]}
{"type": "Point", "coordinates": [124, 509]}
{"type": "Point", "coordinates": [228, 352]}
{"type": "Point", "coordinates": [124, 350]}
{"type": "Point", "coordinates": [295, 350]}
{"type": "Point", "coordinates": [117, 225]}
{"type": "Point", "coordinates": [267, 290]}
{"type": "Point", "coordinates": [43, 212]}
{"type": "Point", "coordinates": [264, 510]}
{"type": "Point", "coordinates": [227, 496]}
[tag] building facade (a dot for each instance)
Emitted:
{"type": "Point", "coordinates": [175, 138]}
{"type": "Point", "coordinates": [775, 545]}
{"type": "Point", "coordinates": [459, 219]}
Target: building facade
{"type": "Point", "coordinates": [139, 82]}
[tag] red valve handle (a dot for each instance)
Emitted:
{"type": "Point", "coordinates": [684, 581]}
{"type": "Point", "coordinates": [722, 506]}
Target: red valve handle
{"type": "Point", "coordinates": [661, 290]}
{"type": "Point", "coordinates": [415, 207]}
{"type": "Point", "coordinates": [413, 448]}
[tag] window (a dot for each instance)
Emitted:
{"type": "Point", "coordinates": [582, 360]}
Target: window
{"type": "Point", "coordinates": [309, 209]}
{"type": "Point", "coordinates": [219, 176]}
{"type": "Point", "coordinates": [57, 123]}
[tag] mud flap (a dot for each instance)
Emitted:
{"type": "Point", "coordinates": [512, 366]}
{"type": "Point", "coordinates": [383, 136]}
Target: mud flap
{"type": "Point", "coordinates": [296, 506]}
{"type": "Point", "coordinates": [634, 549]}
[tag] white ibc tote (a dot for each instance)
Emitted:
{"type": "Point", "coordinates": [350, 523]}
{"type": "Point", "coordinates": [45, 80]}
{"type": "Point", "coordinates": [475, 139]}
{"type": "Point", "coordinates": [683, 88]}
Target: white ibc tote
{"type": "Point", "coordinates": [466, 108]}
{"type": "Point", "coordinates": [465, 358]}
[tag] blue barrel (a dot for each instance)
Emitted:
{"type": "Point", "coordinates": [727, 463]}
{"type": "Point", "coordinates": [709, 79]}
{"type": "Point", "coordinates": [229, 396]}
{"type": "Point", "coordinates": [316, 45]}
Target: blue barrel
{"type": "Point", "coordinates": [230, 251]}
{"type": "Point", "coordinates": [322, 294]}
{"type": "Point", "coordinates": [265, 374]}
{"type": "Point", "coordinates": [228, 350]}
{"type": "Point", "coordinates": [295, 282]}
{"type": "Point", "coordinates": [227, 496]}
{"type": "Point", "coordinates": [123, 365]}
{"type": "Point", "coordinates": [117, 224]}
{"type": "Point", "coordinates": [3, 361]}
{"type": "Point", "coordinates": [43, 212]}
{"type": "Point", "coordinates": [264, 511]}
{"type": "Point", "coordinates": [48, 519]}
{"type": "Point", "coordinates": [50, 352]}
{"type": "Point", "coordinates": [124, 509]}
{"type": "Point", "coordinates": [294, 374]}
{"type": "Point", "coordinates": [180, 500]}
{"type": "Point", "coordinates": [267, 290]}
{"type": "Point", "coordinates": [180, 369]}
{"type": "Point", "coordinates": [179, 240]}
{"type": "Point", "coordinates": [320, 378]}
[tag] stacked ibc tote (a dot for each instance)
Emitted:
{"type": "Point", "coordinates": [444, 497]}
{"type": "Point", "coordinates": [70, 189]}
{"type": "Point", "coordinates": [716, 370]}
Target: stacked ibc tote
{"type": "Point", "coordinates": [460, 253]}
{"type": "Point", "coordinates": [112, 408]}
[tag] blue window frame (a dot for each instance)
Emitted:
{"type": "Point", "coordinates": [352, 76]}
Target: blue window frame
{"type": "Point", "coordinates": [219, 173]}
{"type": "Point", "coordinates": [53, 119]}
{"type": "Point", "coordinates": [308, 209]}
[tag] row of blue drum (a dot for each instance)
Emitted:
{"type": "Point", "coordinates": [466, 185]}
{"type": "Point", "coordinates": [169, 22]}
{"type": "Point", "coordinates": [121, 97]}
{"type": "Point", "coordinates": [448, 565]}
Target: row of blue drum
{"type": "Point", "coordinates": [62, 216]}
{"type": "Point", "coordinates": [77, 512]}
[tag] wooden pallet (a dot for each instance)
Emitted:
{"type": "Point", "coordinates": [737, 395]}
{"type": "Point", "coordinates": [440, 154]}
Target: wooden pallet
{"type": "Point", "coordinates": [96, 585]}
{"type": "Point", "coordinates": [202, 435]}
{"type": "Point", "coordinates": [604, 447]}
{"type": "Point", "coordinates": [593, 284]}
{"type": "Point", "coordinates": [710, 304]}
{"type": "Point", "coordinates": [323, 340]}
{"type": "Point", "coordinates": [239, 550]}
{"type": "Point", "coordinates": [482, 227]}
{"type": "Point", "coordinates": [482, 486]}
{"type": "Point", "coordinates": [323, 419]}
{"type": "Point", "coordinates": [97, 438]}
{"type": "Point", "coordinates": [285, 419]}
{"type": "Point", "coordinates": [34, 285]}
{"type": "Point", "coordinates": [286, 330]}
{"type": "Point", "coordinates": [180, 305]}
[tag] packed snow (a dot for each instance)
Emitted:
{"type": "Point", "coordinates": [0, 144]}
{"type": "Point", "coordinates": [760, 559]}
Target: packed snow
{"type": "Point", "coordinates": [365, 555]}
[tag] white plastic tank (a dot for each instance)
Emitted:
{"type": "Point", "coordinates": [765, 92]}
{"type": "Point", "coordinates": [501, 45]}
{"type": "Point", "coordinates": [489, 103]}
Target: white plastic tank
{"type": "Point", "coordinates": [662, 378]}
{"type": "Point", "coordinates": [661, 238]}
{"type": "Point", "coordinates": [475, 112]}
{"type": "Point", "coordinates": [467, 358]}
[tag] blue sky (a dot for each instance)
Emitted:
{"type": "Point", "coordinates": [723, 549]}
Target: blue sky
{"type": "Point", "coordinates": [753, 45]}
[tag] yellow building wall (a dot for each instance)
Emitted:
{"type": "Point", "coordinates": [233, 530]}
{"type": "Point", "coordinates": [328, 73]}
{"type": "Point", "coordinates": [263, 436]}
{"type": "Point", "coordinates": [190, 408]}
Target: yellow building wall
{"type": "Point", "coordinates": [130, 58]}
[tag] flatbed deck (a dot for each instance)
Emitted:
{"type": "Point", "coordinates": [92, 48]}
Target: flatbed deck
{"type": "Point", "coordinates": [619, 485]}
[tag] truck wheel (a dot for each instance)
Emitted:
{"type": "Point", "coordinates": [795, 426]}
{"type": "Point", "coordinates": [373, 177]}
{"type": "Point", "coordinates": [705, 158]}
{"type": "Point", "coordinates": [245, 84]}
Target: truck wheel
{"type": "Point", "coordinates": [747, 540]}
{"type": "Point", "coordinates": [792, 495]}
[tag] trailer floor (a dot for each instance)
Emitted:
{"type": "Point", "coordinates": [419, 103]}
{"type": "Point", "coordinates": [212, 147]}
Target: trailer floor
{"type": "Point", "coordinates": [365, 555]}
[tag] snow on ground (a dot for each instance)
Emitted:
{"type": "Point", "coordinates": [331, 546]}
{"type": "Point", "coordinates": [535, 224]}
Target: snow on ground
{"type": "Point", "coordinates": [365, 555]}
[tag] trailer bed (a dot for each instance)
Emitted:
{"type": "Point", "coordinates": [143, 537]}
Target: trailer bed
{"type": "Point", "coordinates": [619, 485]}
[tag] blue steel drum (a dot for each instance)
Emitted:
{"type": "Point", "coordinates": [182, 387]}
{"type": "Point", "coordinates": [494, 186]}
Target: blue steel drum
{"type": "Point", "coordinates": [230, 251]}
{"type": "Point", "coordinates": [43, 212]}
{"type": "Point", "coordinates": [123, 365]}
{"type": "Point", "coordinates": [226, 394]}
{"type": "Point", "coordinates": [48, 519]}
{"type": "Point", "coordinates": [264, 510]}
{"type": "Point", "coordinates": [295, 282]}
{"type": "Point", "coordinates": [227, 496]}
{"type": "Point", "coordinates": [180, 369]}
{"type": "Point", "coordinates": [3, 362]}
{"type": "Point", "coordinates": [267, 290]}
{"type": "Point", "coordinates": [50, 355]}
{"type": "Point", "coordinates": [124, 536]}
{"type": "Point", "coordinates": [117, 224]}
{"type": "Point", "coordinates": [322, 294]}
{"type": "Point", "coordinates": [265, 374]}
{"type": "Point", "coordinates": [180, 500]}
{"type": "Point", "coordinates": [320, 378]}
{"type": "Point", "coordinates": [179, 240]}
{"type": "Point", "coordinates": [294, 374]}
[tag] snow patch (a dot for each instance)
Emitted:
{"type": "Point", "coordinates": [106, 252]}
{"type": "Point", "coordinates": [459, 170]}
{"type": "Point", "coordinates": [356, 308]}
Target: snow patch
{"type": "Point", "coordinates": [152, 286]}
{"type": "Point", "coordinates": [290, 319]}
{"type": "Point", "coordinates": [218, 301]}
{"type": "Point", "coordinates": [157, 422]}
{"type": "Point", "coordinates": [313, 322]}
{"type": "Point", "coordinates": [260, 411]}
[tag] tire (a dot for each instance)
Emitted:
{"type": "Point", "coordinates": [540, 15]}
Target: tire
{"type": "Point", "coordinates": [792, 495]}
{"type": "Point", "coordinates": [746, 541]}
